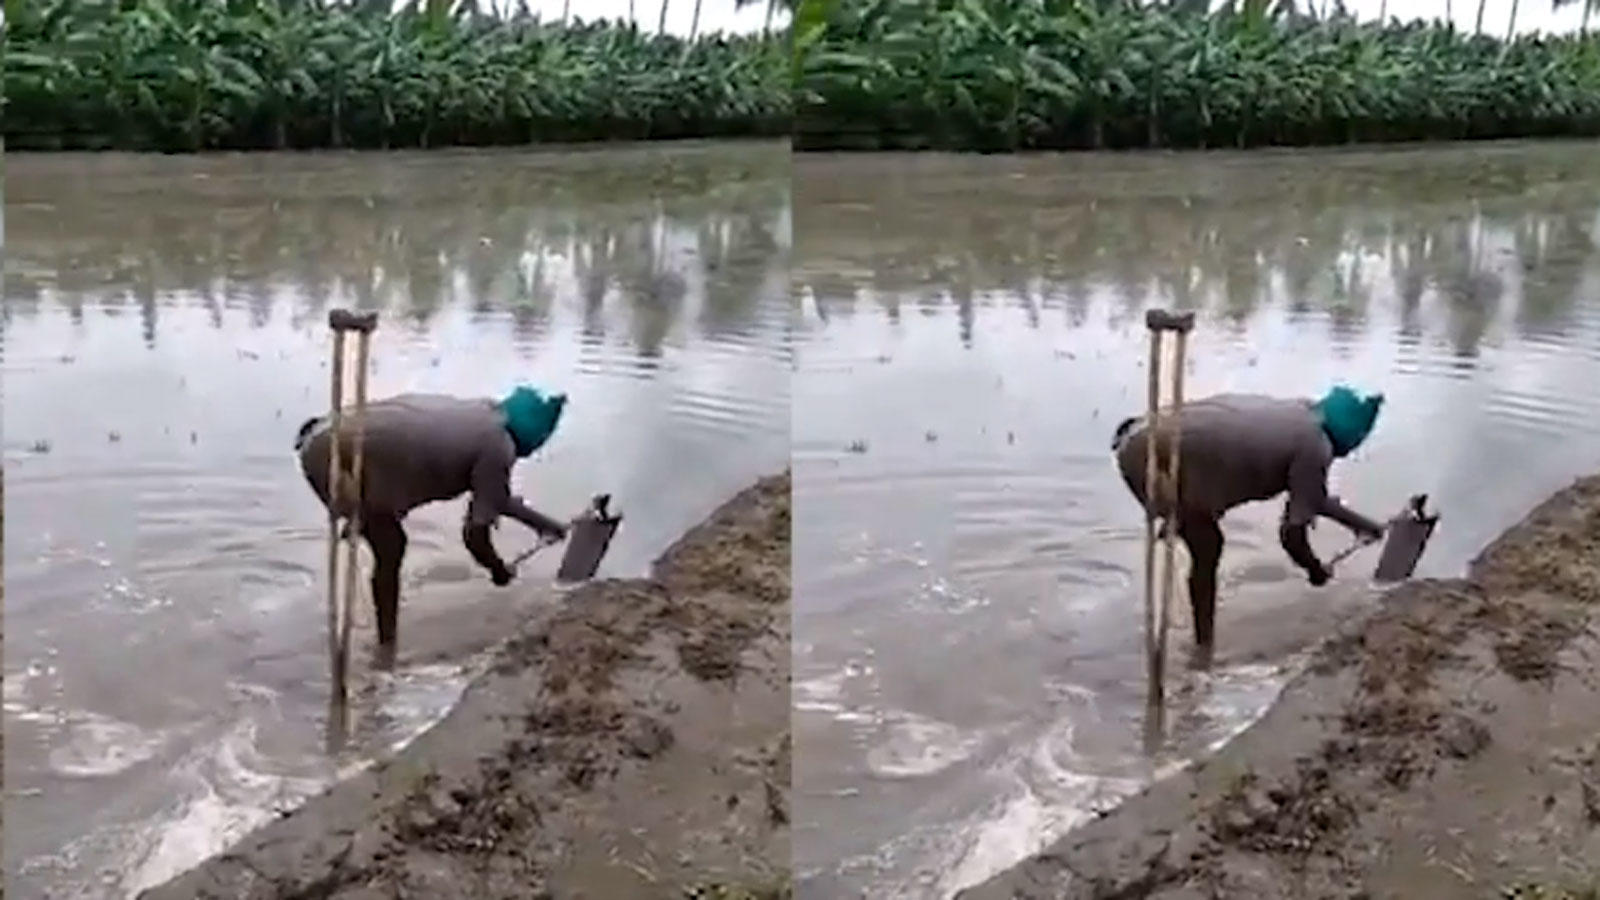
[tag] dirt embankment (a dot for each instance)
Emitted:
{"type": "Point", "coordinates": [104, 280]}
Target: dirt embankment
{"type": "Point", "coordinates": [1446, 747]}
{"type": "Point", "coordinates": [633, 744]}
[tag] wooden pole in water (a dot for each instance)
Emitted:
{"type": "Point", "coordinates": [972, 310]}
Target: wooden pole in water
{"type": "Point", "coordinates": [342, 321]}
{"type": "Point", "coordinates": [1152, 493]}
{"type": "Point", "coordinates": [1161, 496]}
{"type": "Point", "coordinates": [351, 554]}
{"type": "Point", "coordinates": [1171, 485]}
{"type": "Point", "coordinates": [335, 493]}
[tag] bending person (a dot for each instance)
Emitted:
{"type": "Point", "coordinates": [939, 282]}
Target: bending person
{"type": "Point", "coordinates": [422, 448]}
{"type": "Point", "coordinates": [1238, 448]}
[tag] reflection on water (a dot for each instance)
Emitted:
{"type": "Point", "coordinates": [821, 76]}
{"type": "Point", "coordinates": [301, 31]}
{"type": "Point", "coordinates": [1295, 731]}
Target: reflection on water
{"type": "Point", "coordinates": [968, 674]}
{"type": "Point", "coordinates": [164, 335]}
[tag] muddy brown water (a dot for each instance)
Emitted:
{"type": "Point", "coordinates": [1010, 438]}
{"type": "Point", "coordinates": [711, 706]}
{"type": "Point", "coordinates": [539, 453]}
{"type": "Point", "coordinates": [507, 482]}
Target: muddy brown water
{"type": "Point", "coordinates": [968, 673]}
{"type": "Point", "coordinates": [164, 335]}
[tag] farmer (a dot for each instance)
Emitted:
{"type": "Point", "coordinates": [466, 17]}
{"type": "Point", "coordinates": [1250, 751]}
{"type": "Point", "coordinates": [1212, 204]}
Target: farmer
{"type": "Point", "coordinates": [1236, 448]}
{"type": "Point", "coordinates": [420, 448]}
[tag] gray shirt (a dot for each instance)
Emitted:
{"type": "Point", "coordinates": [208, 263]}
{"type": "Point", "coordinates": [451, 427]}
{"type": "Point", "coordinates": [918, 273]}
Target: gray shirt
{"type": "Point", "coordinates": [1238, 448]}
{"type": "Point", "coordinates": [420, 448]}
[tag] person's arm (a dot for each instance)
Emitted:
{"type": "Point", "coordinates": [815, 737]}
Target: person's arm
{"type": "Point", "coordinates": [1308, 497]}
{"type": "Point", "coordinates": [547, 527]}
{"type": "Point", "coordinates": [491, 490]}
{"type": "Point", "coordinates": [1351, 519]}
{"type": "Point", "coordinates": [492, 497]}
{"type": "Point", "coordinates": [1298, 545]}
{"type": "Point", "coordinates": [476, 537]}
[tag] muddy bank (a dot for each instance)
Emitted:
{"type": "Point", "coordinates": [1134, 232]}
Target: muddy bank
{"type": "Point", "coordinates": [633, 744]}
{"type": "Point", "coordinates": [1445, 747]}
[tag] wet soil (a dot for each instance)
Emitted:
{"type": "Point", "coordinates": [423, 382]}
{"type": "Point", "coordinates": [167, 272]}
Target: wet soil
{"type": "Point", "coordinates": [1442, 747]}
{"type": "Point", "coordinates": [633, 744]}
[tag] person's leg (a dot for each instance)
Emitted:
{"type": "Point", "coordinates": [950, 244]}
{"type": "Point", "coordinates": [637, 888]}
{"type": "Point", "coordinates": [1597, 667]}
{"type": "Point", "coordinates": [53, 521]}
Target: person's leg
{"type": "Point", "coordinates": [387, 539]}
{"type": "Point", "coordinates": [1202, 534]}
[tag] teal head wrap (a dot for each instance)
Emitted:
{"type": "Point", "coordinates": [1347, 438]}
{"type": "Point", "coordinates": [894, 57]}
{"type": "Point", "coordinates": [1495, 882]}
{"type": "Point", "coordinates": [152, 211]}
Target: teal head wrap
{"type": "Point", "coordinates": [1348, 417]}
{"type": "Point", "coordinates": [531, 417]}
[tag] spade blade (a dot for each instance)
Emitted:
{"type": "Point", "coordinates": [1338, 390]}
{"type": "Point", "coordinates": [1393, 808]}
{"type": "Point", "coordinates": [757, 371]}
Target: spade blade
{"type": "Point", "coordinates": [587, 544]}
{"type": "Point", "coordinates": [1407, 537]}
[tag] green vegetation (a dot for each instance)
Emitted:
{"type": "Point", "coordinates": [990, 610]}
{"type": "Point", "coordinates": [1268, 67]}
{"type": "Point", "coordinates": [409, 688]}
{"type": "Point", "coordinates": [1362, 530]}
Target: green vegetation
{"type": "Point", "coordinates": [1057, 74]}
{"type": "Point", "coordinates": [203, 74]}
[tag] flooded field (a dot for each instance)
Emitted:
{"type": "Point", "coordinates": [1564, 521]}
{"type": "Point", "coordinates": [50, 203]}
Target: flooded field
{"type": "Point", "coordinates": [968, 657]}
{"type": "Point", "coordinates": [164, 335]}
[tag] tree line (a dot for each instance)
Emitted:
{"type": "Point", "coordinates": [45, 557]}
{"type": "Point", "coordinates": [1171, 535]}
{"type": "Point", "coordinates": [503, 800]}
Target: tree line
{"type": "Point", "coordinates": [228, 74]}
{"type": "Point", "coordinates": [1056, 74]}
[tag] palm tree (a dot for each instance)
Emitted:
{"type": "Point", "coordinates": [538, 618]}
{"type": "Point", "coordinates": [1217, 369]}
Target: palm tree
{"type": "Point", "coordinates": [694, 24]}
{"type": "Point", "coordinates": [1511, 29]}
{"type": "Point", "coordinates": [1478, 28]}
{"type": "Point", "coordinates": [661, 27]}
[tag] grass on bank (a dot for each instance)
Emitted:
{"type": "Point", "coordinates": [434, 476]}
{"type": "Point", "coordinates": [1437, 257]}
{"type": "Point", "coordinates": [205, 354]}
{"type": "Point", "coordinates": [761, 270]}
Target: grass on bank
{"type": "Point", "coordinates": [1083, 74]}
{"type": "Point", "coordinates": [183, 75]}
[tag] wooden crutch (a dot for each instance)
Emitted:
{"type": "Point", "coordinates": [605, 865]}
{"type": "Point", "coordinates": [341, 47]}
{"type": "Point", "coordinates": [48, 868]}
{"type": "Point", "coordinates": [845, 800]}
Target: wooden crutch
{"type": "Point", "coordinates": [1161, 493]}
{"type": "Point", "coordinates": [340, 614]}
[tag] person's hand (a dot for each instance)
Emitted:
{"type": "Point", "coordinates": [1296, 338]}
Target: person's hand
{"type": "Point", "coordinates": [502, 576]}
{"type": "Point", "coordinates": [553, 535]}
{"type": "Point", "coordinates": [1371, 534]}
{"type": "Point", "coordinates": [1317, 575]}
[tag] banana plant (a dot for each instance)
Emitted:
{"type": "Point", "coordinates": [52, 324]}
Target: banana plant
{"type": "Point", "coordinates": [193, 74]}
{"type": "Point", "coordinates": [994, 74]}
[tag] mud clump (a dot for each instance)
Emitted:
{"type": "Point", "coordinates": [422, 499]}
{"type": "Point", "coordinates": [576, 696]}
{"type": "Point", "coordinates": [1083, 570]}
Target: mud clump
{"type": "Point", "coordinates": [1296, 817]}
{"type": "Point", "coordinates": [1463, 738]}
{"type": "Point", "coordinates": [592, 647]}
{"type": "Point", "coordinates": [1555, 550]}
{"type": "Point", "coordinates": [473, 821]}
{"type": "Point", "coordinates": [1402, 647]}
{"type": "Point", "coordinates": [1391, 737]}
{"type": "Point", "coordinates": [1531, 631]}
{"type": "Point", "coordinates": [715, 891]}
{"type": "Point", "coordinates": [559, 772]}
{"type": "Point", "coordinates": [1550, 892]}
{"type": "Point", "coordinates": [742, 549]}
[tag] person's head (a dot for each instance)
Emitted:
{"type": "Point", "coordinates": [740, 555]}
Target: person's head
{"type": "Point", "coordinates": [531, 416]}
{"type": "Point", "coordinates": [1348, 417]}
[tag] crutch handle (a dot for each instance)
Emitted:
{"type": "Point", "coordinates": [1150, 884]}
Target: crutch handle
{"type": "Point", "coordinates": [1162, 320]}
{"type": "Point", "coordinates": [350, 320]}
